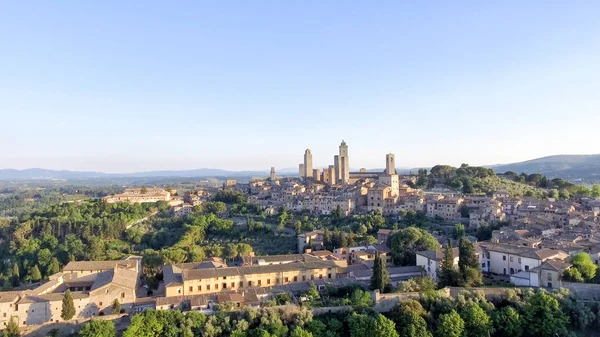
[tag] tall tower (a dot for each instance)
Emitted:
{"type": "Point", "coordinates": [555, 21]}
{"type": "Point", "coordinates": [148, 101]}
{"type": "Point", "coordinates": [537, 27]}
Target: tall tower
{"type": "Point", "coordinates": [301, 170]}
{"type": "Point", "coordinates": [344, 163]}
{"type": "Point", "coordinates": [308, 170]}
{"type": "Point", "coordinates": [272, 176]}
{"type": "Point", "coordinates": [390, 164]}
{"type": "Point", "coordinates": [337, 166]}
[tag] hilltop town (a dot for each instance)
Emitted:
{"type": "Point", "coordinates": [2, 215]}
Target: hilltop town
{"type": "Point", "coordinates": [340, 229]}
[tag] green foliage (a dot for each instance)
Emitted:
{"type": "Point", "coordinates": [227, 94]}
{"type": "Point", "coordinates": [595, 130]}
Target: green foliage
{"type": "Point", "coordinates": [450, 325]}
{"type": "Point", "coordinates": [409, 317]}
{"type": "Point", "coordinates": [379, 326]}
{"type": "Point", "coordinates": [116, 306]}
{"type": "Point", "coordinates": [380, 279]}
{"type": "Point", "coordinates": [468, 264]}
{"type": "Point", "coordinates": [419, 284]}
{"type": "Point", "coordinates": [12, 329]}
{"type": "Point", "coordinates": [543, 316]}
{"type": "Point", "coordinates": [35, 275]}
{"type": "Point", "coordinates": [68, 307]}
{"type": "Point", "coordinates": [448, 275]}
{"type": "Point", "coordinates": [361, 299]}
{"type": "Point", "coordinates": [573, 275]}
{"type": "Point", "coordinates": [477, 321]}
{"type": "Point", "coordinates": [230, 197]}
{"type": "Point", "coordinates": [406, 242]}
{"type": "Point", "coordinates": [508, 322]}
{"type": "Point", "coordinates": [299, 332]}
{"type": "Point", "coordinates": [584, 264]}
{"type": "Point", "coordinates": [459, 230]}
{"type": "Point", "coordinates": [97, 328]}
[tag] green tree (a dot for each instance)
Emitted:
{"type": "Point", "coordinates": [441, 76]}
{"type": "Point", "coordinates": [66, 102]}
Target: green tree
{"type": "Point", "coordinates": [116, 306]}
{"type": "Point", "coordinates": [68, 307]}
{"type": "Point", "coordinates": [450, 325]}
{"type": "Point", "coordinates": [299, 332]}
{"type": "Point", "coordinates": [35, 275]}
{"type": "Point", "coordinates": [448, 275]}
{"type": "Point", "coordinates": [12, 329]}
{"type": "Point", "coordinates": [409, 317]}
{"type": "Point", "coordinates": [595, 191]}
{"type": "Point", "coordinates": [54, 267]}
{"type": "Point", "coordinates": [380, 279]}
{"type": "Point", "coordinates": [419, 284]}
{"type": "Point", "coordinates": [312, 292]}
{"type": "Point", "coordinates": [468, 264]}
{"type": "Point", "coordinates": [573, 275]}
{"type": "Point", "coordinates": [298, 227]}
{"type": "Point", "coordinates": [97, 328]}
{"type": "Point", "coordinates": [384, 327]}
{"type": "Point", "coordinates": [459, 231]}
{"type": "Point", "coordinates": [361, 299]}
{"type": "Point", "coordinates": [477, 321]}
{"type": "Point", "coordinates": [16, 275]}
{"type": "Point", "coordinates": [553, 193]}
{"type": "Point", "coordinates": [406, 242]}
{"type": "Point", "coordinates": [508, 322]}
{"type": "Point", "coordinates": [583, 262]}
{"type": "Point", "coordinates": [543, 316]}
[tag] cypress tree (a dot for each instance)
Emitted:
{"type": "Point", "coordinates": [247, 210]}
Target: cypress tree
{"type": "Point", "coordinates": [54, 267]}
{"type": "Point", "coordinates": [116, 307]}
{"type": "Point", "coordinates": [380, 278]}
{"type": "Point", "coordinates": [16, 276]}
{"type": "Point", "coordinates": [468, 263]}
{"type": "Point", "coordinates": [68, 307]}
{"type": "Point", "coordinates": [12, 329]}
{"type": "Point", "coordinates": [447, 272]}
{"type": "Point", "coordinates": [35, 274]}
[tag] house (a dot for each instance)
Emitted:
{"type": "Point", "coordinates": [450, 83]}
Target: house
{"type": "Point", "coordinates": [506, 259]}
{"type": "Point", "coordinates": [430, 261]}
{"type": "Point", "coordinates": [548, 274]}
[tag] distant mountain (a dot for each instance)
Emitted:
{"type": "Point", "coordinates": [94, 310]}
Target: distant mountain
{"type": "Point", "coordinates": [573, 167]}
{"type": "Point", "coordinates": [36, 173]}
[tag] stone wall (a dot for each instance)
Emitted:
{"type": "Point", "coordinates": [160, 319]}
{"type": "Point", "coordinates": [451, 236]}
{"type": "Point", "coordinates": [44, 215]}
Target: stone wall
{"type": "Point", "coordinates": [386, 302]}
{"type": "Point", "coordinates": [330, 310]}
{"type": "Point", "coordinates": [583, 291]}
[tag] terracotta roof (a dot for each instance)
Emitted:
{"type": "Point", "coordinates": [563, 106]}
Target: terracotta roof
{"type": "Point", "coordinates": [9, 296]}
{"type": "Point", "coordinates": [51, 297]}
{"type": "Point", "coordinates": [98, 265]}
{"type": "Point", "coordinates": [195, 274]}
{"type": "Point", "coordinates": [123, 277]}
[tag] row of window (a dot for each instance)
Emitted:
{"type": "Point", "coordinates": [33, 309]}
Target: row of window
{"type": "Point", "coordinates": [250, 283]}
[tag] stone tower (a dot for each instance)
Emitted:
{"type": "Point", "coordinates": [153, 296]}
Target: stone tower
{"type": "Point", "coordinates": [272, 176]}
{"type": "Point", "coordinates": [308, 169]}
{"type": "Point", "coordinates": [344, 164]}
{"type": "Point", "coordinates": [390, 164]}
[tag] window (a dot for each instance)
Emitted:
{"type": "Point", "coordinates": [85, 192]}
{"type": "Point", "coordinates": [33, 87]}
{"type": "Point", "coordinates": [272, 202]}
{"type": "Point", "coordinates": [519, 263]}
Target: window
{"type": "Point", "coordinates": [328, 275]}
{"type": "Point", "coordinates": [100, 304]}
{"type": "Point", "coordinates": [320, 276]}
{"type": "Point", "coordinates": [241, 284]}
{"type": "Point", "coordinates": [526, 268]}
{"type": "Point", "coordinates": [224, 285]}
{"type": "Point", "coordinates": [191, 289]}
{"type": "Point", "coordinates": [122, 295]}
{"type": "Point", "coordinates": [216, 287]}
{"type": "Point", "coordinates": [269, 281]}
{"type": "Point", "coordinates": [199, 288]}
{"type": "Point", "coordinates": [511, 259]}
{"type": "Point", "coordinates": [232, 285]}
{"type": "Point", "coordinates": [483, 265]}
{"type": "Point", "coordinates": [503, 257]}
{"type": "Point", "coordinates": [295, 278]}
{"type": "Point", "coordinates": [249, 283]}
{"type": "Point", "coordinates": [287, 280]}
{"type": "Point", "coordinates": [224, 277]}
{"type": "Point", "coordinates": [208, 287]}
{"type": "Point", "coordinates": [303, 278]}
{"type": "Point", "coordinates": [259, 282]}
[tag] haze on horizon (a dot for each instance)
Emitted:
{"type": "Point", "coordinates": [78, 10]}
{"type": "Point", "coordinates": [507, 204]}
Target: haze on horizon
{"type": "Point", "coordinates": [139, 86]}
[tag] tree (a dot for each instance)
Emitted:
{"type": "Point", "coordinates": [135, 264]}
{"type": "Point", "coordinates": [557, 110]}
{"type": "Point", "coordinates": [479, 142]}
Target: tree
{"type": "Point", "coordinates": [68, 307]}
{"type": "Point", "coordinates": [384, 327]}
{"type": "Point", "coordinates": [573, 275]}
{"type": "Point", "coordinates": [543, 316]}
{"type": "Point", "coordinates": [54, 267]}
{"type": "Point", "coordinates": [448, 275]}
{"type": "Point", "coordinates": [380, 279]}
{"type": "Point", "coordinates": [468, 264]}
{"type": "Point", "coordinates": [97, 328]}
{"type": "Point", "coordinates": [419, 284]}
{"type": "Point", "coordinates": [312, 292]}
{"type": "Point", "coordinates": [16, 277]}
{"type": "Point", "coordinates": [116, 307]}
{"type": "Point", "coordinates": [459, 231]}
{"type": "Point", "coordinates": [361, 299]}
{"type": "Point", "coordinates": [298, 227]}
{"type": "Point", "coordinates": [299, 332]}
{"type": "Point", "coordinates": [477, 321]}
{"type": "Point", "coordinates": [409, 318]}
{"type": "Point", "coordinates": [450, 325]}
{"type": "Point", "coordinates": [553, 193]}
{"type": "Point", "coordinates": [406, 242]}
{"type": "Point", "coordinates": [35, 275]}
{"type": "Point", "coordinates": [583, 262]}
{"type": "Point", "coordinates": [12, 329]}
{"type": "Point", "coordinates": [564, 194]}
{"type": "Point", "coordinates": [507, 322]}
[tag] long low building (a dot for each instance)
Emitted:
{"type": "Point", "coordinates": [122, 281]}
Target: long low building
{"type": "Point", "coordinates": [203, 278]}
{"type": "Point", "coordinates": [94, 286]}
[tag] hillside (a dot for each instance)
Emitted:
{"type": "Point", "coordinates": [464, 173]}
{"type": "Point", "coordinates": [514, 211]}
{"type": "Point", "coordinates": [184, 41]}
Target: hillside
{"type": "Point", "coordinates": [572, 167]}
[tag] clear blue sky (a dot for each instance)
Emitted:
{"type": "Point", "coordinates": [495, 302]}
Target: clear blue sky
{"type": "Point", "coordinates": [121, 86]}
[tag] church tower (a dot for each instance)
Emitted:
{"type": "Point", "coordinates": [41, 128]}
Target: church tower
{"type": "Point", "coordinates": [272, 176]}
{"type": "Point", "coordinates": [390, 164]}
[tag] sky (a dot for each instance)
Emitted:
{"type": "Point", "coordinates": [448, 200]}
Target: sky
{"type": "Point", "coordinates": [124, 86]}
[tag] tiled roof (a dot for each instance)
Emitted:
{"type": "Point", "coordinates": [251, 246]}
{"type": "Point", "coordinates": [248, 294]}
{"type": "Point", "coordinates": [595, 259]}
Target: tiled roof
{"type": "Point", "coordinates": [75, 266]}
{"type": "Point", "coordinates": [9, 296]}
{"type": "Point", "coordinates": [123, 277]}
{"type": "Point", "coordinates": [195, 274]}
{"type": "Point", "coordinates": [51, 297]}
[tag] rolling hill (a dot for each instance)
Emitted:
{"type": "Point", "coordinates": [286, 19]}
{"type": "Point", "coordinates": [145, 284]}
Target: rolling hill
{"type": "Point", "coordinates": [572, 167]}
